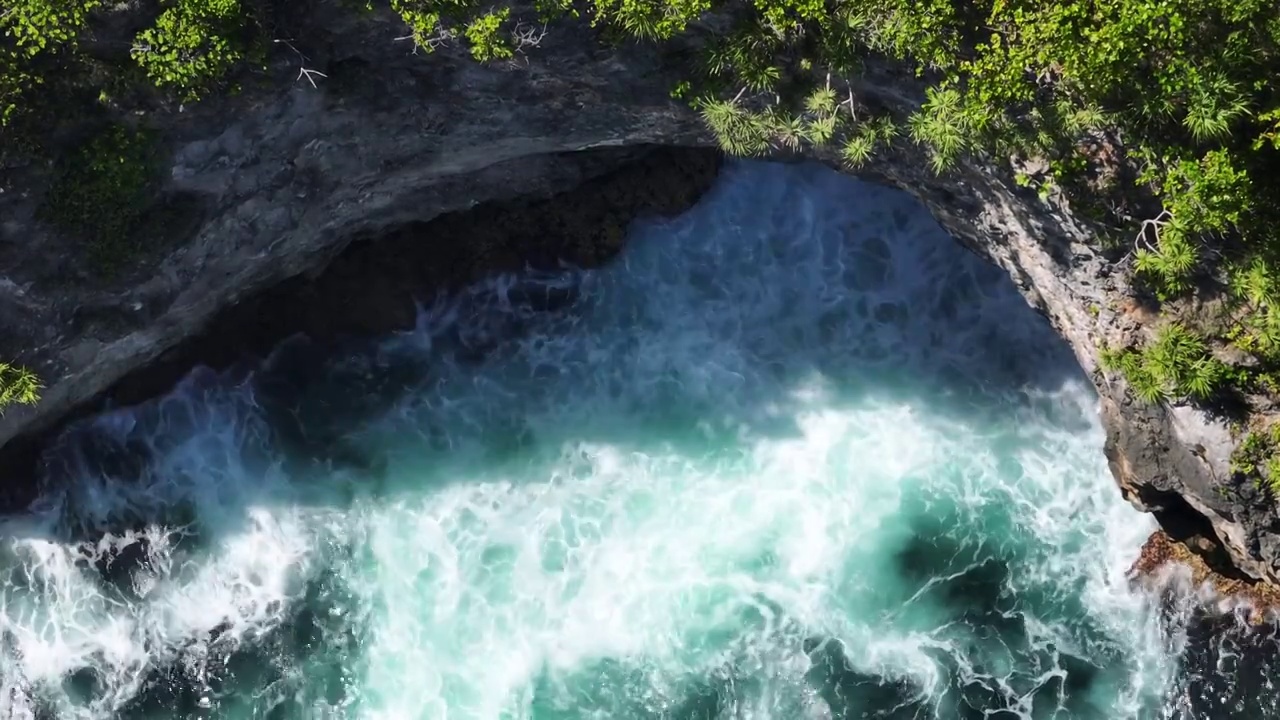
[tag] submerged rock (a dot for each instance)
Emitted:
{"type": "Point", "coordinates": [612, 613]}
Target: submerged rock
{"type": "Point", "coordinates": [1227, 587]}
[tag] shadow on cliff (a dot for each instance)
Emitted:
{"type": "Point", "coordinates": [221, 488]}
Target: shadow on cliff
{"type": "Point", "coordinates": [360, 406]}
{"type": "Point", "coordinates": [347, 411]}
{"type": "Point", "coordinates": [369, 289]}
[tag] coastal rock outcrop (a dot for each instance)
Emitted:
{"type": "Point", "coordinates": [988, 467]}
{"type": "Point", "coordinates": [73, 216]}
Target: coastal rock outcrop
{"type": "Point", "coordinates": [278, 190]}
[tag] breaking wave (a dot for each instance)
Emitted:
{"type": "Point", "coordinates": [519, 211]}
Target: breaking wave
{"type": "Point", "coordinates": [795, 454]}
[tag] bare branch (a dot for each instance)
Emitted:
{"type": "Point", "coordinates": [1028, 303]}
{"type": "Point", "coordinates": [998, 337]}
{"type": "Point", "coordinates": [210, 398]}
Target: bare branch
{"type": "Point", "coordinates": [289, 43]}
{"type": "Point", "coordinates": [1154, 225]}
{"type": "Point", "coordinates": [441, 36]}
{"type": "Point", "coordinates": [526, 35]}
{"type": "Point", "coordinates": [853, 113]}
{"type": "Point", "coordinates": [303, 72]}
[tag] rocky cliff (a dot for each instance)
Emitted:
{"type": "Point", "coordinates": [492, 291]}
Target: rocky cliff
{"type": "Point", "coordinates": [325, 208]}
{"type": "Point", "coordinates": [275, 184]}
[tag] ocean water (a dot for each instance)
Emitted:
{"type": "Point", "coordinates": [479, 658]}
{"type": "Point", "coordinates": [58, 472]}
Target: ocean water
{"type": "Point", "coordinates": [794, 455]}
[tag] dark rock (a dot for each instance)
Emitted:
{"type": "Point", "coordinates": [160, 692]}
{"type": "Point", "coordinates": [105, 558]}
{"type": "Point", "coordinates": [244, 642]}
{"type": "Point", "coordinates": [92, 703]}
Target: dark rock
{"type": "Point", "coordinates": [277, 182]}
{"type": "Point", "coordinates": [375, 285]}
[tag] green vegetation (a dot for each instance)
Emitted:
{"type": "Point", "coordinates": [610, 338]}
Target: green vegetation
{"type": "Point", "coordinates": [101, 192]}
{"type": "Point", "coordinates": [193, 44]}
{"type": "Point", "coordinates": [1188, 84]}
{"type": "Point", "coordinates": [1176, 364]}
{"type": "Point", "coordinates": [36, 33]}
{"type": "Point", "coordinates": [1258, 457]}
{"type": "Point", "coordinates": [482, 34]}
{"type": "Point", "coordinates": [18, 386]}
{"type": "Point", "coordinates": [188, 48]}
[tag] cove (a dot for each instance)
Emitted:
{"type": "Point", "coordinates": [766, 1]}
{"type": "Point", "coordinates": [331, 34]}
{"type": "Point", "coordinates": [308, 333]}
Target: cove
{"type": "Point", "coordinates": [793, 454]}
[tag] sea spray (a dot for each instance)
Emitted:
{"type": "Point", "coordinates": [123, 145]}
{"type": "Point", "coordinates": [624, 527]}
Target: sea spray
{"type": "Point", "coordinates": [795, 454]}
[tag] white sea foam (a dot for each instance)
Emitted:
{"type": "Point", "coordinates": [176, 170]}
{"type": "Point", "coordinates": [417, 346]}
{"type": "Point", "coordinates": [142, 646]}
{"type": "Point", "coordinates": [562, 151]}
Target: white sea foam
{"type": "Point", "coordinates": [751, 432]}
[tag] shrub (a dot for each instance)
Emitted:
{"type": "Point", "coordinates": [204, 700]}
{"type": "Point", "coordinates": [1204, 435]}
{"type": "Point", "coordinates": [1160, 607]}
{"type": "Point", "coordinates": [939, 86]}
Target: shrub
{"type": "Point", "coordinates": [482, 34]}
{"type": "Point", "coordinates": [102, 190]}
{"type": "Point", "coordinates": [33, 30]}
{"type": "Point", "coordinates": [1176, 364]}
{"type": "Point", "coordinates": [36, 26]}
{"type": "Point", "coordinates": [192, 45]}
{"type": "Point", "coordinates": [1258, 457]}
{"type": "Point", "coordinates": [18, 386]}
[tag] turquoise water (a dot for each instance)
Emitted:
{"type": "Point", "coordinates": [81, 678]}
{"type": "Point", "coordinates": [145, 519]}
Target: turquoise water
{"type": "Point", "coordinates": [794, 455]}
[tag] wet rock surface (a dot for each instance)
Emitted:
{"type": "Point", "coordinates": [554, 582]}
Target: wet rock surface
{"type": "Point", "coordinates": [1164, 554]}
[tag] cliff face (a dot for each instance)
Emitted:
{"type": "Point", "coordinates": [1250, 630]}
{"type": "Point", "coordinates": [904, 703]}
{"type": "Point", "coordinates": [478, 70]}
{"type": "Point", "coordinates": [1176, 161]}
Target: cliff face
{"type": "Point", "coordinates": [275, 183]}
{"type": "Point", "coordinates": [1170, 460]}
{"type": "Point", "coordinates": [1173, 461]}
{"type": "Point", "coordinates": [275, 186]}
